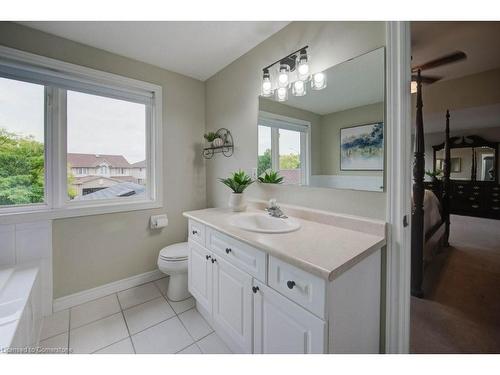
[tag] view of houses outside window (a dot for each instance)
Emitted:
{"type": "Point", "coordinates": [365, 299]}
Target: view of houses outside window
{"type": "Point", "coordinates": [106, 147]}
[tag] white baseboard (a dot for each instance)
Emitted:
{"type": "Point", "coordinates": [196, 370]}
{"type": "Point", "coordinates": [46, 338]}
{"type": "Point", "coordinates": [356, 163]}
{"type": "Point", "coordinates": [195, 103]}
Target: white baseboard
{"type": "Point", "coordinates": [105, 290]}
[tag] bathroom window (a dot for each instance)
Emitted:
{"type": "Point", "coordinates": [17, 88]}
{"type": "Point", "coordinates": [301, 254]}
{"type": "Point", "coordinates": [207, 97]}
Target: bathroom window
{"type": "Point", "coordinates": [283, 146]}
{"type": "Point", "coordinates": [22, 143]}
{"type": "Point", "coordinates": [69, 137]}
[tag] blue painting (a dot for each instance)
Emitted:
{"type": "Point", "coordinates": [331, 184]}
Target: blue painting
{"type": "Point", "coordinates": [362, 148]}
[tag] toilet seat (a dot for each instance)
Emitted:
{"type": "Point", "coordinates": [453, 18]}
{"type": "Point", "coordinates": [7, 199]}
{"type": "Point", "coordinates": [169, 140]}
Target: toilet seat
{"type": "Point", "coordinates": [174, 253]}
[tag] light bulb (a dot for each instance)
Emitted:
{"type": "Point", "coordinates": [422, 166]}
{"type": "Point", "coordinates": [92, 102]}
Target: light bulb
{"type": "Point", "coordinates": [319, 81]}
{"type": "Point", "coordinates": [299, 88]}
{"type": "Point", "coordinates": [303, 65]}
{"type": "Point", "coordinates": [283, 76]}
{"type": "Point", "coordinates": [281, 94]}
{"type": "Point", "coordinates": [266, 85]}
{"type": "Point", "coordinates": [304, 68]}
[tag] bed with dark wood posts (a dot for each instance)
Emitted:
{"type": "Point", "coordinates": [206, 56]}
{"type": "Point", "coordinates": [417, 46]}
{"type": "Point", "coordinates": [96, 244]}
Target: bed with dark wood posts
{"type": "Point", "coordinates": [427, 237]}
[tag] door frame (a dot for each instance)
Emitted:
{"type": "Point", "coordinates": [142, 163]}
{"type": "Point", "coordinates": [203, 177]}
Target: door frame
{"type": "Point", "coordinates": [398, 175]}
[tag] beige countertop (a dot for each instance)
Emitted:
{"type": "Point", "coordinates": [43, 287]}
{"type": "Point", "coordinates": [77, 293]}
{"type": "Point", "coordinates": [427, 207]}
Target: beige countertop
{"type": "Point", "coordinates": [319, 247]}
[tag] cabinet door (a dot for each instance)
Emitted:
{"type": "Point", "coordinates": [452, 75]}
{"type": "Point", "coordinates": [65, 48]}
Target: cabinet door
{"type": "Point", "coordinates": [281, 326]}
{"type": "Point", "coordinates": [232, 306]}
{"type": "Point", "coordinates": [200, 275]}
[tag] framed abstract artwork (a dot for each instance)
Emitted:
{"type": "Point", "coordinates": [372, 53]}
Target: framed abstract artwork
{"type": "Point", "coordinates": [362, 147]}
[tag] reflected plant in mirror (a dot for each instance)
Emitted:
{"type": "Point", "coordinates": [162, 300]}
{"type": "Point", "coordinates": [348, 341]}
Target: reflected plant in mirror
{"type": "Point", "coordinates": [331, 137]}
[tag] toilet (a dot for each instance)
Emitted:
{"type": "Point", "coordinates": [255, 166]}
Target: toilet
{"type": "Point", "coordinates": [173, 261]}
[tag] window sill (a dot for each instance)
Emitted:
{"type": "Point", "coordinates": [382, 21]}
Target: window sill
{"type": "Point", "coordinates": [45, 213]}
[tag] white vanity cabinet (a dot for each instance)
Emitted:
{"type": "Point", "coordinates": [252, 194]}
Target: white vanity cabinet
{"type": "Point", "coordinates": [258, 303]}
{"type": "Point", "coordinates": [281, 326]}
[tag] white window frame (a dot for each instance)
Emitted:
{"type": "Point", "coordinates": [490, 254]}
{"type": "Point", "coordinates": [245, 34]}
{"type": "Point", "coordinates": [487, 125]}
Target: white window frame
{"type": "Point", "coordinates": [276, 122]}
{"type": "Point", "coordinates": [56, 203]}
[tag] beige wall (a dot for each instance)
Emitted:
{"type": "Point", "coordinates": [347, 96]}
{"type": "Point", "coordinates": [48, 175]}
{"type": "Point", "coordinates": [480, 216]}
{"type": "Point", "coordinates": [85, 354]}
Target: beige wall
{"type": "Point", "coordinates": [475, 90]}
{"type": "Point", "coordinates": [232, 102]}
{"type": "Point", "coordinates": [330, 136]}
{"type": "Point", "coordinates": [93, 250]}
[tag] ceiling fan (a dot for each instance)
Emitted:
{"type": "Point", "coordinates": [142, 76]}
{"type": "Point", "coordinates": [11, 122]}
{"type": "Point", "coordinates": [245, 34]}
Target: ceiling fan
{"type": "Point", "coordinates": [445, 60]}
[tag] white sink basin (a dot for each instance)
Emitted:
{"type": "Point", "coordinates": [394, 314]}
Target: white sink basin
{"type": "Point", "coordinates": [264, 223]}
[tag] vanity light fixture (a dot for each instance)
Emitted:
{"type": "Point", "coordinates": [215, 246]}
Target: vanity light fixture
{"type": "Point", "coordinates": [293, 72]}
{"type": "Point", "coordinates": [318, 81]}
{"type": "Point", "coordinates": [282, 94]}
{"type": "Point", "coordinates": [283, 75]}
{"type": "Point", "coordinates": [299, 88]}
{"type": "Point", "coordinates": [266, 84]}
{"type": "Point", "coordinates": [303, 65]}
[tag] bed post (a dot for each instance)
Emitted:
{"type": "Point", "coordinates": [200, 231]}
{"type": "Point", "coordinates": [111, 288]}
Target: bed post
{"type": "Point", "coordinates": [417, 225]}
{"type": "Point", "coordinates": [446, 181]}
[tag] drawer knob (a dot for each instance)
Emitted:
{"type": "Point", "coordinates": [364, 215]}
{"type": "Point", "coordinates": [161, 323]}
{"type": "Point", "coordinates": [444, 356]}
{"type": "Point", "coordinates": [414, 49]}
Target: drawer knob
{"type": "Point", "coordinates": [208, 257]}
{"type": "Point", "coordinates": [255, 289]}
{"type": "Point", "coordinates": [214, 260]}
{"type": "Point", "coordinates": [228, 250]}
{"type": "Point", "coordinates": [290, 284]}
{"type": "Point", "coordinates": [194, 232]}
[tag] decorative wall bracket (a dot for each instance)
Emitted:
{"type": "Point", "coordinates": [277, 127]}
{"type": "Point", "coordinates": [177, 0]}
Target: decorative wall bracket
{"type": "Point", "coordinates": [225, 149]}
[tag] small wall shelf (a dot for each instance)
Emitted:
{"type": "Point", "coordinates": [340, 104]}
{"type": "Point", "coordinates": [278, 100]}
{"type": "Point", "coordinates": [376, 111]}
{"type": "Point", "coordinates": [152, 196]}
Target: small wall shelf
{"type": "Point", "coordinates": [226, 149]}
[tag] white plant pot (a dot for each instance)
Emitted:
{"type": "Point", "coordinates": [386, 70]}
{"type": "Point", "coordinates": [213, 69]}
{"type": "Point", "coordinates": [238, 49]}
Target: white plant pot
{"type": "Point", "coordinates": [217, 142]}
{"type": "Point", "coordinates": [237, 202]}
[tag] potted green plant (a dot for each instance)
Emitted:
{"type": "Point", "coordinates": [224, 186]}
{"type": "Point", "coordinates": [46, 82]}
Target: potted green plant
{"type": "Point", "coordinates": [271, 177]}
{"type": "Point", "coordinates": [214, 139]}
{"type": "Point", "coordinates": [238, 181]}
{"type": "Point", "coordinates": [434, 175]}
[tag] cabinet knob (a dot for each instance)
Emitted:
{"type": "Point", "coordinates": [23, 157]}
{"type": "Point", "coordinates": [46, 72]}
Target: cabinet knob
{"type": "Point", "coordinates": [208, 257]}
{"type": "Point", "coordinates": [290, 284]}
{"type": "Point", "coordinates": [214, 260]}
{"type": "Point", "coordinates": [194, 231]}
{"type": "Point", "coordinates": [228, 250]}
{"type": "Point", "coordinates": [255, 289]}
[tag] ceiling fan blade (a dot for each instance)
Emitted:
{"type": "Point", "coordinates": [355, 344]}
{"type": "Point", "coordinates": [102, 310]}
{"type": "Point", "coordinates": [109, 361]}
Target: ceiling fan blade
{"type": "Point", "coordinates": [426, 79]}
{"type": "Point", "coordinates": [448, 59]}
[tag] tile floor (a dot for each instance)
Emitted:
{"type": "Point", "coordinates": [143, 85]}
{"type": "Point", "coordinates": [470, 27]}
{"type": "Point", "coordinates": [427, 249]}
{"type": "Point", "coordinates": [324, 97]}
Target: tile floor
{"type": "Point", "coordinates": [138, 320]}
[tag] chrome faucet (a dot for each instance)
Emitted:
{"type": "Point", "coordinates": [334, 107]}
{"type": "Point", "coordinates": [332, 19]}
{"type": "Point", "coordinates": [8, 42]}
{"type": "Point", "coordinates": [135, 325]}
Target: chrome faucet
{"type": "Point", "coordinates": [274, 210]}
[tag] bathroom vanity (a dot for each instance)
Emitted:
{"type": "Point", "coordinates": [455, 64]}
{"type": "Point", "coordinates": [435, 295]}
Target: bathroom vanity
{"type": "Point", "coordinates": [267, 289]}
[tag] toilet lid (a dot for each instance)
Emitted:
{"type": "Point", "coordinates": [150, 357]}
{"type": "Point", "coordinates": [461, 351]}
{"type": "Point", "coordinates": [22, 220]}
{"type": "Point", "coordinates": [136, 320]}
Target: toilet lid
{"type": "Point", "coordinates": [178, 251]}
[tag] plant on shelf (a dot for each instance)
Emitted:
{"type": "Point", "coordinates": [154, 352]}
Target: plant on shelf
{"type": "Point", "coordinates": [237, 182]}
{"type": "Point", "coordinates": [271, 177]}
{"type": "Point", "coordinates": [214, 139]}
{"type": "Point", "coordinates": [434, 175]}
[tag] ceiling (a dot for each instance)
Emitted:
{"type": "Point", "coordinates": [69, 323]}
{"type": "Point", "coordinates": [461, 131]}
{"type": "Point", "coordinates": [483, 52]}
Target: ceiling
{"type": "Point", "coordinates": [198, 49]}
{"type": "Point", "coordinates": [357, 82]}
{"type": "Point", "coordinates": [479, 40]}
{"type": "Point", "coordinates": [464, 119]}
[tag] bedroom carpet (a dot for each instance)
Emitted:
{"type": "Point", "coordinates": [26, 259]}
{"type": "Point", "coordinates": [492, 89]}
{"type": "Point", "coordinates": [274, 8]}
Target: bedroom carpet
{"type": "Point", "coordinates": [461, 309]}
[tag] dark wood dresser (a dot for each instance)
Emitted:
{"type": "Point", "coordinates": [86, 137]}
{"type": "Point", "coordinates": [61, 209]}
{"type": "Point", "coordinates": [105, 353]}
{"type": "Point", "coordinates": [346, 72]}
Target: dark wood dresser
{"type": "Point", "coordinates": [471, 198]}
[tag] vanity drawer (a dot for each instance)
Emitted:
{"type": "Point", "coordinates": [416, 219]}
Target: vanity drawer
{"type": "Point", "coordinates": [243, 256]}
{"type": "Point", "coordinates": [300, 286]}
{"type": "Point", "coordinates": [196, 232]}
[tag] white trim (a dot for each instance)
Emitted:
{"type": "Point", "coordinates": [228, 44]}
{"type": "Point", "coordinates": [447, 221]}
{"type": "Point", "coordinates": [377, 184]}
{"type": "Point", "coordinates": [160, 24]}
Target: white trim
{"type": "Point", "coordinates": [56, 204]}
{"type": "Point", "coordinates": [105, 290]}
{"type": "Point", "coordinates": [398, 141]}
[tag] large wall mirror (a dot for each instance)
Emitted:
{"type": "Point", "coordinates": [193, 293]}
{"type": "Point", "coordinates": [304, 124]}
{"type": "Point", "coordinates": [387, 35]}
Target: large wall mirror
{"type": "Point", "coordinates": [334, 137]}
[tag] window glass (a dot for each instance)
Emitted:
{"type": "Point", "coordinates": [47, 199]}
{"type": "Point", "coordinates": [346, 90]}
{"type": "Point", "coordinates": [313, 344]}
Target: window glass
{"type": "Point", "coordinates": [264, 152]}
{"type": "Point", "coordinates": [289, 156]}
{"type": "Point", "coordinates": [107, 140]}
{"type": "Point", "coordinates": [22, 154]}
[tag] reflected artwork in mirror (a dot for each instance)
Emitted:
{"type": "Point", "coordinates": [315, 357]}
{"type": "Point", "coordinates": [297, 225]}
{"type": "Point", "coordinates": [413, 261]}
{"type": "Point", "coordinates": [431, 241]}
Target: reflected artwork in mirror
{"type": "Point", "coordinates": [330, 138]}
